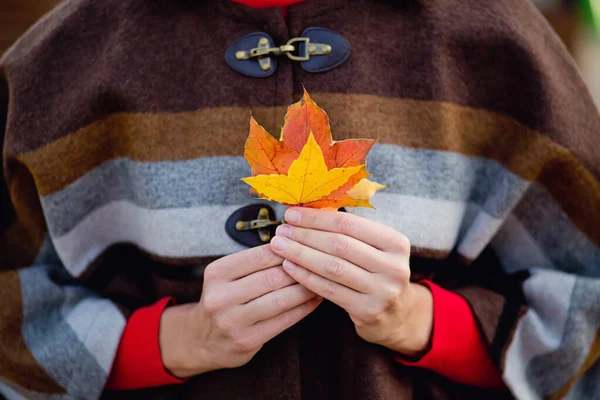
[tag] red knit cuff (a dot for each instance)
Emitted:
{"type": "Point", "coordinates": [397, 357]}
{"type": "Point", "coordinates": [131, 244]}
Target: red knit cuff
{"type": "Point", "coordinates": [138, 363]}
{"type": "Point", "coordinates": [458, 351]}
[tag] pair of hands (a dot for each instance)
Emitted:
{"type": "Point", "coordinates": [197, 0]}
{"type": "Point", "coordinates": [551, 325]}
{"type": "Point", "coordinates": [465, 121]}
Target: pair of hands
{"type": "Point", "coordinates": [251, 296]}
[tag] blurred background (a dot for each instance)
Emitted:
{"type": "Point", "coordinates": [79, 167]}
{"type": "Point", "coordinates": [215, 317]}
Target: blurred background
{"type": "Point", "coordinates": [577, 22]}
{"type": "Point", "coordinates": [16, 16]}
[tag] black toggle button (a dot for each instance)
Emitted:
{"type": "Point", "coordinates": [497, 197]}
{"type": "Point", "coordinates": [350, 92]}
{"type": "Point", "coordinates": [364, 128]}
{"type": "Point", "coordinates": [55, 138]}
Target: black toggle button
{"type": "Point", "coordinates": [254, 65]}
{"type": "Point", "coordinates": [253, 225]}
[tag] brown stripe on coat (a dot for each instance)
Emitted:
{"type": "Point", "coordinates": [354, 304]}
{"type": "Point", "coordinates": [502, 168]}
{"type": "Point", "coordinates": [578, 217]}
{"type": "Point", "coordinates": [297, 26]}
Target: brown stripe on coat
{"type": "Point", "coordinates": [590, 360]}
{"type": "Point", "coordinates": [20, 243]}
{"type": "Point", "coordinates": [431, 52]}
{"type": "Point", "coordinates": [487, 307]}
{"type": "Point", "coordinates": [146, 137]}
{"type": "Point", "coordinates": [18, 364]}
{"type": "Point", "coordinates": [411, 123]}
{"type": "Point", "coordinates": [422, 252]}
{"type": "Point", "coordinates": [17, 249]}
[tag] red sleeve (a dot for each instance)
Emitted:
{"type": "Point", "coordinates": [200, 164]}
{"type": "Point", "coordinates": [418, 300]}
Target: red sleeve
{"type": "Point", "coordinates": [138, 363]}
{"type": "Point", "coordinates": [458, 350]}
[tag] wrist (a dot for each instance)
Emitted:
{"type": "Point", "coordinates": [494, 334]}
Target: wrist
{"type": "Point", "coordinates": [413, 338]}
{"type": "Point", "coordinates": [181, 355]}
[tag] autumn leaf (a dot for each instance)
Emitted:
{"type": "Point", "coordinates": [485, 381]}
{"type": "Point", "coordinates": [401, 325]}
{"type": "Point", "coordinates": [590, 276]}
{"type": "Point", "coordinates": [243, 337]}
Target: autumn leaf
{"type": "Point", "coordinates": [308, 178]}
{"type": "Point", "coordinates": [340, 197]}
{"type": "Point", "coordinates": [265, 154]}
{"type": "Point", "coordinates": [304, 117]}
{"type": "Point", "coordinates": [305, 166]}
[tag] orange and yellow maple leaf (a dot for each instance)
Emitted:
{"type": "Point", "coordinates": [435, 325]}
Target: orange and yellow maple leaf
{"type": "Point", "coordinates": [306, 166]}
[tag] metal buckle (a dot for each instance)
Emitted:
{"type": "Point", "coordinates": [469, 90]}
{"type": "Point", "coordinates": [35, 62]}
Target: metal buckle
{"type": "Point", "coordinates": [263, 52]}
{"type": "Point", "coordinates": [261, 224]}
{"type": "Point", "coordinates": [290, 54]}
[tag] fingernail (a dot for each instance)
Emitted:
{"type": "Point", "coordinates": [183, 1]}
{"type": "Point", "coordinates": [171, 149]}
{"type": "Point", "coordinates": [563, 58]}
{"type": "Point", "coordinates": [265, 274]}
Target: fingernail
{"type": "Point", "coordinates": [293, 216]}
{"type": "Point", "coordinates": [284, 230]}
{"type": "Point", "coordinates": [289, 266]}
{"type": "Point", "coordinates": [279, 243]}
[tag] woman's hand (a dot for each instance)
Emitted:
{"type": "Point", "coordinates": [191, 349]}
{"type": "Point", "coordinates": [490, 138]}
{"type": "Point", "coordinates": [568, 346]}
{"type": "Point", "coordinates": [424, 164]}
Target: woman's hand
{"type": "Point", "coordinates": [363, 267]}
{"type": "Point", "coordinates": [247, 300]}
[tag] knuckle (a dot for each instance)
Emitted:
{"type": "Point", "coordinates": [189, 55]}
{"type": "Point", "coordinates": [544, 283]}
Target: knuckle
{"type": "Point", "coordinates": [341, 245]}
{"type": "Point", "coordinates": [335, 268]}
{"type": "Point", "coordinates": [285, 319]}
{"type": "Point", "coordinates": [301, 235]}
{"type": "Point", "coordinates": [310, 217]}
{"type": "Point", "coordinates": [404, 274]}
{"type": "Point", "coordinates": [273, 278]}
{"type": "Point", "coordinates": [389, 296]}
{"type": "Point", "coordinates": [297, 251]}
{"type": "Point", "coordinates": [279, 301]}
{"type": "Point", "coordinates": [260, 255]}
{"type": "Point", "coordinates": [225, 325]}
{"type": "Point", "coordinates": [212, 305]}
{"type": "Point", "coordinates": [243, 344]}
{"type": "Point", "coordinates": [331, 288]}
{"type": "Point", "coordinates": [211, 272]}
{"type": "Point", "coordinates": [371, 315]}
{"type": "Point", "coordinates": [398, 271]}
{"type": "Point", "coordinates": [344, 222]}
{"type": "Point", "coordinates": [401, 243]}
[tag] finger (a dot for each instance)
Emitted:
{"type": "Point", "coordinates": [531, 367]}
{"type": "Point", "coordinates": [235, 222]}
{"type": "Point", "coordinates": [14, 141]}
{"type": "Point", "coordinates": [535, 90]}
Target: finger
{"type": "Point", "coordinates": [257, 284]}
{"type": "Point", "coordinates": [246, 262]}
{"type": "Point", "coordinates": [272, 304]}
{"type": "Point", "coordinates": [328, 266]}
{"type": "Point", "coordinates": [336, 244]}
{"type": "Point", "coordinates": [341, 295]}
{"type": "Point", "coordinates": [373, 233]}
{"type": "Point", "coordinates": [266, 330]}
